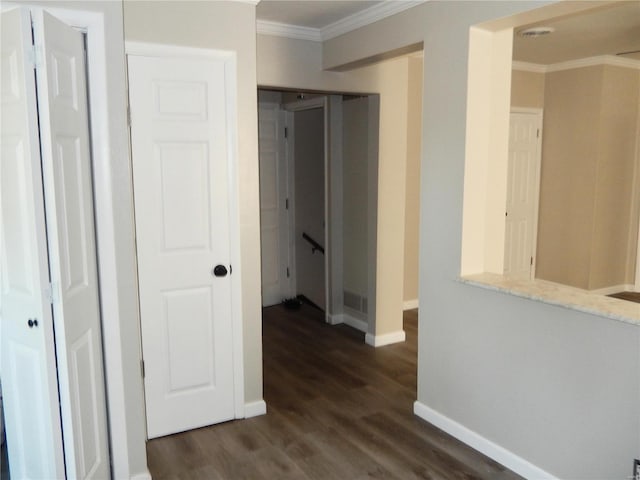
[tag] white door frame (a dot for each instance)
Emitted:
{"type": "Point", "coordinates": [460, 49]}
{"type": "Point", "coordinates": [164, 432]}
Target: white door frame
{"type": "Point", "coordinates": [538, 112]}
{"type": "Point", "coordinates": [310, 104]}
{"type": "Point", "coordinates": [122, 435]}
{"type": "Point", "coordinates": [161, 50]}
{"type": "Point", "coordinates": [636, 196]}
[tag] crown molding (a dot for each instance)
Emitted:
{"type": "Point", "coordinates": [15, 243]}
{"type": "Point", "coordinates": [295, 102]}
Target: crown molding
{"type": "Point", "coordinates": [276, 29]}
{"type": "Point", "coordinates": [365, 17]}
{"type": "Point", "coordinates": [611, 60]}
{"type": "Point", "coordinates": [252, 2]}
{"type": "Point", "coordinates": [528, 67]}
{"type": "Point", "coordinates": [359, 19]}
{"type": "Point", "coordinates": [592, 61]}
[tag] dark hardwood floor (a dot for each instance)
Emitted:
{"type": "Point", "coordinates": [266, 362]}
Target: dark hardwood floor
{"type": "Point", "coordinates": [337, 409]}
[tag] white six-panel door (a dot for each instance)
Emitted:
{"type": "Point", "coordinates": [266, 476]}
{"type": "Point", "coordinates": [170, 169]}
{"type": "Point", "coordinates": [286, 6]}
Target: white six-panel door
{"type": "Point", "coordinates": [180, 150]}
{"type": "Point", "coordinates": [59, 250]}
{"type": "Point", "coordinates": [66, 160]}
{"type": "Point", "coordinates": [30, 389]}
{"type": "Point", "coordinates": [523, 186]}
{"type": "Point", "coordinates": [274, 205]}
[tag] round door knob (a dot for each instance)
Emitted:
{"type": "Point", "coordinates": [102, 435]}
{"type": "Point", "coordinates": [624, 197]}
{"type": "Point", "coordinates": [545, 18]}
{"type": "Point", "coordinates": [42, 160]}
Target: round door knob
{"type": "Point", "coordinates": [220, 271]}
{"type": "Point", "coordinates": [32, 322]}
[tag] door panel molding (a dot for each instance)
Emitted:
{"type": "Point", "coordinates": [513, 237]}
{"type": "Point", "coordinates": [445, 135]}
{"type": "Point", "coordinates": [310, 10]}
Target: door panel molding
{"type": "Point", "coordinates": [224, 63]}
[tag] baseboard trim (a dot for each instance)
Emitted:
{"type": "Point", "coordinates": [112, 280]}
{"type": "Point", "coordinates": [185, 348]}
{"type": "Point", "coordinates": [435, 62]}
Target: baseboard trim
{"type": "Point", "coordinates": [386, 339]}
{"type": "Point", "coordinates": [481, 444]}
{"type": "Point", "coordinates": [356, 323]}
{"type": "Point", "coordinates": [255, 409]}
{"type": "Point", "coordinates": [410, 304]}
{"type": "Point", "coordinates": [614, 289]}
{"type": "Point", "coordinates": [146, 475]}
{"type": "Point", "coordinates": [336, 319]}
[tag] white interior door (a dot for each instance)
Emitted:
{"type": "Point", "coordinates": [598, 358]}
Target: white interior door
{"type": "Point", "coordinates": [66, 160]}
{"type": "Point", "coordinates": [523, 186]}
{"type": "Point", "coordinates": [28, 362]}
{"type": "Point", "coordinates": [49, 277]}
{"type": "Point", "coordinates": [274, 205]}
{"type": "Point", "coordinates": [180, 147]}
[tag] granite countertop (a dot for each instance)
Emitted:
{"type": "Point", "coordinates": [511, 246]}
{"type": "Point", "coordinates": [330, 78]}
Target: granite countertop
{"type": "Point", "coordinates": [561, 295]}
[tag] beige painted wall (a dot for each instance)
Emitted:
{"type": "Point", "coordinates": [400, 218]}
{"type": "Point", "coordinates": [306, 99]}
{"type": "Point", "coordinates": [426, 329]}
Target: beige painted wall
{"type": "Point", "coordinates": [412, 193]}
{"type": "Point", "coordinates": [527, 89]}
{"type": "Point", "coordinates": [588, 161]}
{"type": "Point", "coordinates": [297, 64]}
{"type": "Point", "coordinates": [225, 26]}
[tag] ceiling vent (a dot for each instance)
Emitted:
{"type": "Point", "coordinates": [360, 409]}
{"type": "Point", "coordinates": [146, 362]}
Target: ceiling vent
{"type": "Point", "coordinates": [535, 32]}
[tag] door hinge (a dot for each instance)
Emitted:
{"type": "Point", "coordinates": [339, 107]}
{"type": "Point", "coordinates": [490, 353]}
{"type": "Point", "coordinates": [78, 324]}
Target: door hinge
{"type": "Point", "coordinates": [288, 272]}
{"type": "Point", "coordinates": [52, 294]}
{"type": "Point", "coordinates": [129, 115]}
{"type": "Point", "coordinates": [286, 132]}
{"type": "Point", "coordinates": [35, 56]}
{"type": "Point", "coordinates": [142, 368]}
{"type": "Point", "coordinates": [531, 262]}
{"type": "Point", "coordinates": [286, 204]}
{"type": "Point", "coordinates": [538, 133]}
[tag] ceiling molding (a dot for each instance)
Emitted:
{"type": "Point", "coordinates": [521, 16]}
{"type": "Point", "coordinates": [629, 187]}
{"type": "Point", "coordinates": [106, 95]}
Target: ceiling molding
{"type": "Point", "coordinates": [264, 27]}
{"type": "Point", "coordinates": [611, 60]}
{"type": "Point", "coordinates": [591, 61]}
{"type": "Point", "coordinates": [528, 67]}
{"type": "Point", "coordinates": [252, 2]}
{"type": "Point", "coordinates": [365, 17]}
{"type": "Point", "coordinates": [359, 19]}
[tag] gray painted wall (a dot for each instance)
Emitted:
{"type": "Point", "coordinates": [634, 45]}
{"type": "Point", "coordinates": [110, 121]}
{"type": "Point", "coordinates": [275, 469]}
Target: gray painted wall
{"type": "Point", "coordinates": [559, 388]}
{"type": "Point", "coordinates": [309, 202]}
{"type": "Point", "coordinates": [556, 387]}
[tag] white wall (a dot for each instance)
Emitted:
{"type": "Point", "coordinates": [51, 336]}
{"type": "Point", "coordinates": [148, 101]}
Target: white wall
{"type": "Point", "coordinates": [557, 388]}
{"type": "Point", "coordinates": [224, 26]}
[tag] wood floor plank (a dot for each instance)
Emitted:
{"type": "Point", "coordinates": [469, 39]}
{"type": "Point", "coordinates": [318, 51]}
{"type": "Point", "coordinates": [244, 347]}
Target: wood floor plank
{"type": "Point", "coordinates": [337, 409]}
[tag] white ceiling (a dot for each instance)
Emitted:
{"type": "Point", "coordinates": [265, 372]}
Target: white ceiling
{"type": "Point", "coordinates": [309, 13]}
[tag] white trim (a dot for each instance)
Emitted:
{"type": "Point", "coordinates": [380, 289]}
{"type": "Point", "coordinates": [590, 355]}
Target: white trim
{"type": "Point", "coordinates": [410, 304]}
{"type": "Point", "coordinates": [635, 195]}
{"type": "Point", "coordinates": [142, 476]}
{"type": "Point", "coordinates": [357, 20]}
{"type": "Point", "coordinates": [481, 444]}
{"type": "Point", "coordinates": [230, 72]}
{"type": "Point", "coordinates": [611, 60]}
{"type": "Point", "coordinates": [592, 61]}
{"type": "Point", "coordinates": [386, 339]}
{"type": "Point", "coordinates": [308, 104]}
{"type": "Point", "coordinates": [350, 320]}
{"type": "Point", "coordinates": [250, 2]}
{"type": "Point", "coordinates": [335, 319]}
{"type": "Point", "coordinates": [356, 323]}
{"type": "Point", "coordinates": [625, 287]}
{"type": "Point", "coordinates": [168, 51]}
{"type": "Point", "coordinates": [528, 67]}
{"type": "Point", "coordinates": [366, 17]}
{"type": "Point", "coordinates": [276, 29]}
{"type": "Point", "coordinates": [255, 409]}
